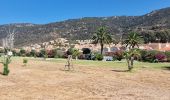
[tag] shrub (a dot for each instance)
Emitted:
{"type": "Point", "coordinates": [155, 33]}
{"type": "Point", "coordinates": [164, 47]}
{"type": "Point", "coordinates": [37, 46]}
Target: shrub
{"type": "Point", "coordinates": [70, 51]}
{"type": "Point", "coordinates": [59, 54]}
{"type": "Point", "coordinates": [51, 53]}
{"type": "Point", "coordinates": [167, 53]}
{"type": "Point", "coordinates": [81, 56]}
{"type": "Point", "coordinates": [14, 53]}
{"type": "Point", "coordinates": [114, 58]}
{"type": "Point", "coordinates": [37, 54]}
{"type": "Point", "coordinates": [74, 52]}
{"type": "Point", "coordinates": [27, 54]}
{"type": "Point", "coordinates": [43, 53]}
{"type": "Point", "coordinates": [155, 60]}
{"type": "Point", "coordinates": [149, 56]}
{"type": "Point", "coordinates": [65, 55]}
{"type": "Point", "coordinates": [99, 57]}
{"type": "Point", "coordinates": [118, 55]}
{"type": "Point", "coordinates": [109, 54]}
{"type": "Point", "coordinates": [87, 56]}
{"type": "Point", "coordinates": [153, 56]}
{"type": "Point", "coordinates": [33, 53]}
{"type": "Point", "coordinates": [161, 57]}
{"type": "Point", "coordinates": [22, 52]}
{"type": "Point", "coordinates": [2, 50]}
{"type": "Point", "coordinates": [143, 54]}
{"type": "Point", "coordinates": [25, 61]}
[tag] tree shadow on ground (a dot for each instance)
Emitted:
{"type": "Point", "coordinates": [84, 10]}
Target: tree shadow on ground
{"type": "Point", "coordinates": [119, 62]}
{"type": "Point", "coordinates": [120, 70]}
{"type": "Point", "coordinates": [166, 68]}
{"type": "Point", "coordinates": [66, 70]}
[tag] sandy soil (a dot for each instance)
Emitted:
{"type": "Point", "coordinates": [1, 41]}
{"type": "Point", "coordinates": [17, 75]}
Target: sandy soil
{"type": "Point", "coordinates": [47, 81]}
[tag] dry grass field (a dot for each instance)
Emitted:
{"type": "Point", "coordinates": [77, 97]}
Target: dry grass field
{"type": "Point", "coordinates": [91, 80]}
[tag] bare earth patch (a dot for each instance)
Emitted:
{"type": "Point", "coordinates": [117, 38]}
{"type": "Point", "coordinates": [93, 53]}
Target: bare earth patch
{"type": "Point", "coordinates": [42, 80]}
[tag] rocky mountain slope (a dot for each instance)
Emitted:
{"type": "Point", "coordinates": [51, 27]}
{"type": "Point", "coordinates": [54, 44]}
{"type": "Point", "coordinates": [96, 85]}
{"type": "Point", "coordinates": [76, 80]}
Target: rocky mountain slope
{"type": "Point", "coordinates": [28, 33]}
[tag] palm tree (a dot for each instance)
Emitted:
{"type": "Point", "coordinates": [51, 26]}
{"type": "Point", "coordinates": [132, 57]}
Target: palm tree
{"type": "Point", "coordinates": [133, 40]}
{"type": "Point", "coordinates": [102, 37]}
{"type": "Point", "coordinates": [129, 55]}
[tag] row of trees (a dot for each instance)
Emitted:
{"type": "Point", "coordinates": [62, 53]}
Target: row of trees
{"type": "Point", "coordinates": [102, 36]}
{"type": "Point", "coordinates": [156, 36]}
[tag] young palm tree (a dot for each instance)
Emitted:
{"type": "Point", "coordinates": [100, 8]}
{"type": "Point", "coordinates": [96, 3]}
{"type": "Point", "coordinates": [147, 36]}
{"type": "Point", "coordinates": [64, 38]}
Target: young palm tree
{"type": "Point", "coordinates": [102, 37]}
{"type": "Point", "coordinates": [131, 41]}
{"type": "Point", "coordinates": [129, 55]}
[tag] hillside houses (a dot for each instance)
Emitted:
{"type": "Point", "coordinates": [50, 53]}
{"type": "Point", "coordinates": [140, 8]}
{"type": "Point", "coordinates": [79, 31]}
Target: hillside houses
{"type": "Point", "coordinates": [63, 44]}
{"type": "Point", "coordinates": [156, 46]}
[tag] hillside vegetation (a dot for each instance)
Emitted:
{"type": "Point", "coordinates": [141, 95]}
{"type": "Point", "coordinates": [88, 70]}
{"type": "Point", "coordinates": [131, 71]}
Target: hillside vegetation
{"type": "Point", "coordinates": [27, 33]}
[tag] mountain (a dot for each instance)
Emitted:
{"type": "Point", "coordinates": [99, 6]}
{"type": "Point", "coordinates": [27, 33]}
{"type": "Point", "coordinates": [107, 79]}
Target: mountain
{"type": "Point", "coordinates": [28, 33]}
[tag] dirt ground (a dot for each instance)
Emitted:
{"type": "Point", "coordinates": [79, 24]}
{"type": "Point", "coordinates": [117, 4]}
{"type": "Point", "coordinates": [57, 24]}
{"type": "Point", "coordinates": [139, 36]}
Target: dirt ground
{"type": "Point", "coordinates": [41, 80]}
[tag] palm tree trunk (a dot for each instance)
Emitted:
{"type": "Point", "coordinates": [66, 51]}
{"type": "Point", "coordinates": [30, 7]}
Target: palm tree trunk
{"type": "Point", "coordinates": [101, 49]}
{"type": "Point", "coordinates": [132, 60]}
{"type": "Point", "coordinates": [128, 62]}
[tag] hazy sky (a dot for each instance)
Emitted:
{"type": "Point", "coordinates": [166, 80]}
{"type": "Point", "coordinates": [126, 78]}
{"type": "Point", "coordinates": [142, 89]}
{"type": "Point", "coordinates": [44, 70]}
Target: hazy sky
{"type": "Point", "coordinates": [45, 11]}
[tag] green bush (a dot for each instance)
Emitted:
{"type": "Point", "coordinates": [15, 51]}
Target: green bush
{"type": "Point", "coordinates": [167, 53]}
{"type": "Point", "coordinates": [114, 58]}
{"type": "Point", "coordinates": [43, 53]}
{"type": "Point", "coordinates": [70, 51]}
{"type": "Point", "coordinates": [14, 53]}
{"type": "Point", "coordinates": [74, 52]}
{"type": "Point", "coordinates": [25, 61]}
{"type": "Point", "coordinates": [22, 52]}
{"type": "Point", "coordinates": [33, 53]}
{"type": "Point", "coordinates": [28, 54]}
{"type": "Point", "coordinates": [154, 56]}
{"type": "Point", "coordinates": [2, 50]}
{"type": "Point", "coordinates": [148, 56]}
{"type": "Point", "coordinates": [143, 54]}
{"type": "Point", "coordinates": [99, 57]}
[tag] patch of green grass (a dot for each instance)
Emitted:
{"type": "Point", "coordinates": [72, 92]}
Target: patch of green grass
{"type": "Point", "coordinates": [123, 64]}
{"type": "Point", "coordinates": [152, 65]}
{"type": "Point", "coordinates": [113, 64]}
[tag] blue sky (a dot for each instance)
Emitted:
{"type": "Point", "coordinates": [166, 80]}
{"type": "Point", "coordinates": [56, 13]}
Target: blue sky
{"type": "Point", "coordinates": [46, 11]}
